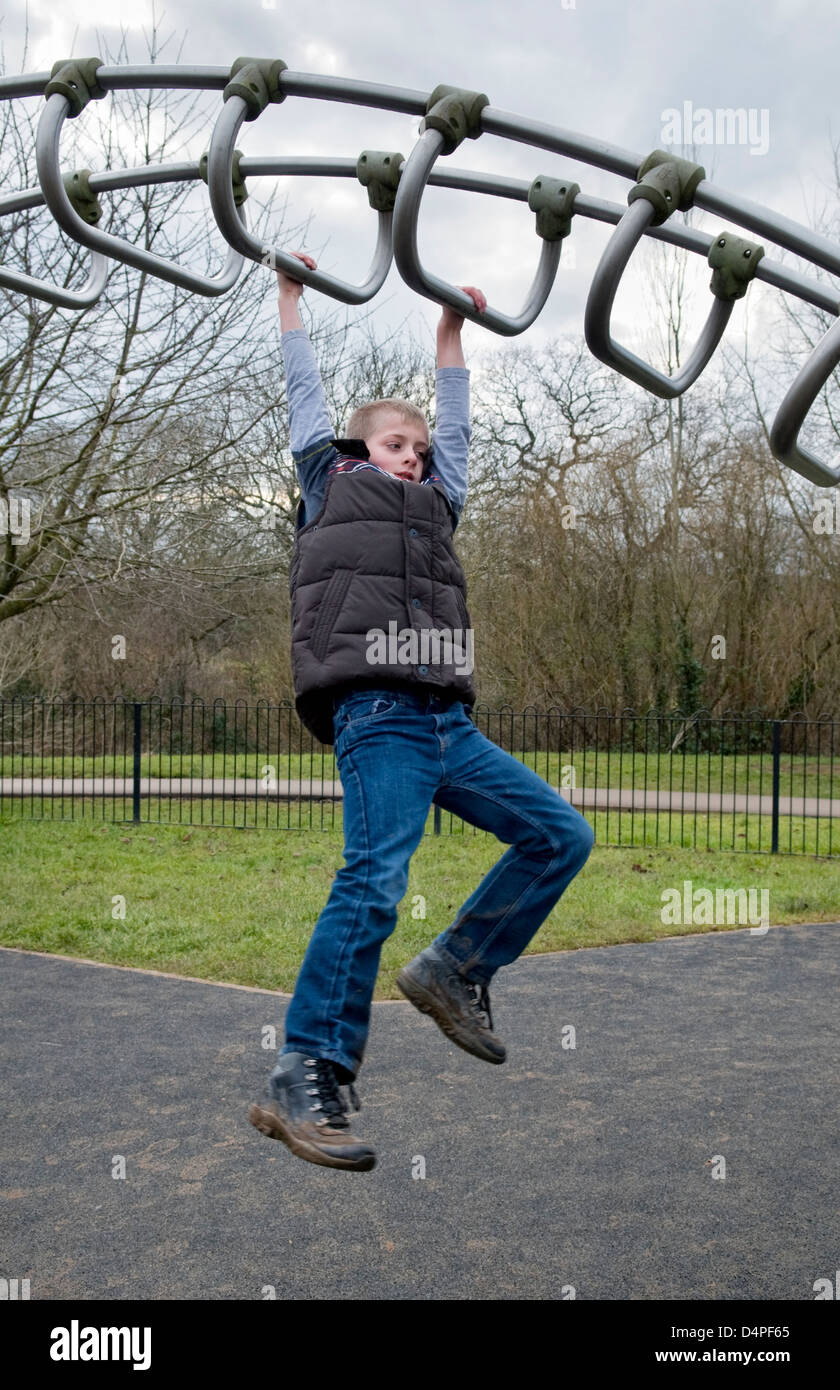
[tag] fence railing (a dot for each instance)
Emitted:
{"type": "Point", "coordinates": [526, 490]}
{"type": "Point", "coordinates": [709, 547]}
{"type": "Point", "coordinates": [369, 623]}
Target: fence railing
{"type": "Point", "coordinates": [730, 781]}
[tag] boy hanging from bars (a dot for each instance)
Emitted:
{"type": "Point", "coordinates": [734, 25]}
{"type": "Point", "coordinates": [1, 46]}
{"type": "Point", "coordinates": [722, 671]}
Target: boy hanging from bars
{"type": "Point", "coordinates": [382, 663]}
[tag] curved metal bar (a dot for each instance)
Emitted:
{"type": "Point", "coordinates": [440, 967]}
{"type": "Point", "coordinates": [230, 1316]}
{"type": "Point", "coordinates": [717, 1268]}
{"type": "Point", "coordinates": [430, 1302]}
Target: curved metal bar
{"type": "Point", "coordinates": [56, 199]}
{"type": "Point", "coordinates": [602, 292]}
{"type": "Point", "coordinates": [133, 76]}
{"type": "Point", "coordinates": [219, 174]}
{"type": "Point", "coordinates": [256, 166]}
{"type": "Point", "coordinates": [415, 176]}
{"type": "Point", "coordinates": [517, 190]}
{"type": "Point", "coordinates": [812, 246]}
{"type": "Point", "coordinates": [791, 414]}
{"type": "Point", "coordinates": [566, 142]}
{"type": "Point", "coordinates": [772, 225]}
{"type": "Point", "coordinates": [466, 180]}
{"type": "Point", "coordinates": [503, 124]}
{"type": "Point", "coordinates": [82, 298]}
{"type": "Point", "coordinates": [54, 294]}
{"type": "Point", "coordinates": [24, 84]}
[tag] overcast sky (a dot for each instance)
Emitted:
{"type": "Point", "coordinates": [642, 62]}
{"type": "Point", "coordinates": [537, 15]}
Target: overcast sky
{"type": "Point", "coordinates": [610, 69]}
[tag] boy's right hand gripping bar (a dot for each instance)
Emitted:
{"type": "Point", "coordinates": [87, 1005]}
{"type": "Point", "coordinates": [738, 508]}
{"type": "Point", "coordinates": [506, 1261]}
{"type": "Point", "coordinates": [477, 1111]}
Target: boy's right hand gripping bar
{"type": "Point", "coordinates": [665, 185]}
{"type": "Point", "coordinates": [254, 83]}
{"type": "Point", "coordinates": [453, 115]}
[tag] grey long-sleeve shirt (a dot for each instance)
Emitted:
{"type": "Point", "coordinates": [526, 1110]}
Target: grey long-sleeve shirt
{"type": "Point", "coordinates": [310, 429]}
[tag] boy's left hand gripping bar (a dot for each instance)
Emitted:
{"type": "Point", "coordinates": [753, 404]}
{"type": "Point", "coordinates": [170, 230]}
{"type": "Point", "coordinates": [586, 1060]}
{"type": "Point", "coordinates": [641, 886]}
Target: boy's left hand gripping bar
{"type": "Point", "coordinates": [453, 115]}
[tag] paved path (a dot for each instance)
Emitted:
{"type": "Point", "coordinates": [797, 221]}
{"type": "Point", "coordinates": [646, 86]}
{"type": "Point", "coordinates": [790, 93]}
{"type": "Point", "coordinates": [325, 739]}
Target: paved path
{"type": "Point", "coordinates": [589, 1168]}
{"type": "Point", "coordinates": [317, 788]}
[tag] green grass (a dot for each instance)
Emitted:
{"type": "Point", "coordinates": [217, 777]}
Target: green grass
{"type": "Point", "coordinates": [798, 775]}
{"type": "Point", "coordinates": [222, 905]}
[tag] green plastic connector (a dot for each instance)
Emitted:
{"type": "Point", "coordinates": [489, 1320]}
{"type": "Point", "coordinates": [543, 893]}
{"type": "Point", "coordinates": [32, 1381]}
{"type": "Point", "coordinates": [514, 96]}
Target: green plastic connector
{"type": "Point", "coordinates": [75, 79]}
{"type": "Point", "coordinates": [456, 114]}
{"type": "Point", "coordinates": [81, 195]}
{"type": "Point", "coordinates": [240, 192]}
{"type": "Point", "coordinates": [734, 262]}
{"type": "Point", "coordinates": [667, 182]}
{"type": "Point", "coordinates": [257, 82]}
{"type": "Point", "coordinates": [379, 172]}
{"type": "Point", "coordinates": [553, 201]}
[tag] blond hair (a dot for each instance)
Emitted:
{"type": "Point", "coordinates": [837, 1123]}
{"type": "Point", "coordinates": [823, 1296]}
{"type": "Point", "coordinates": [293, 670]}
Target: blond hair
{"type": "Point", "coordinates": [363, 422]}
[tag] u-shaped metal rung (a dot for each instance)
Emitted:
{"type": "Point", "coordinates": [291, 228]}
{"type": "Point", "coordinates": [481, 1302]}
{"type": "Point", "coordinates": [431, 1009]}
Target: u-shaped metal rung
{"type": "Point", "coordinates": [602, 292]}
{"type": "Point", "coordinates": [219, 171]}
{"type": "Point", "coordinates": [42, 289]}
{"type": "Point", "coordinates": [56, 199]}
{"type": "Point", "coordinates": [413, 180]}
{"type": "Point", "coordinates": [790, 417]}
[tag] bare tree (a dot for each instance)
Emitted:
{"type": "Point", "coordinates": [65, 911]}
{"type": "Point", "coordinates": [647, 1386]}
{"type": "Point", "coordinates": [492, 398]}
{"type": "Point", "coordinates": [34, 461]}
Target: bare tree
{"type": "Point", "coordinates": [147, 397]}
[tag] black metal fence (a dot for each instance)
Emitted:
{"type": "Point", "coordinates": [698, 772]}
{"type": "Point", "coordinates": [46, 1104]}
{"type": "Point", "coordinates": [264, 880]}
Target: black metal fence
{"type": "Point", "coordinates": [731, 781]}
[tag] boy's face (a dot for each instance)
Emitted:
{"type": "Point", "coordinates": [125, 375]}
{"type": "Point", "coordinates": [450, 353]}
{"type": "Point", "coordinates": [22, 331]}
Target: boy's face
{"type": "Point", "coordinates": [399, 446]}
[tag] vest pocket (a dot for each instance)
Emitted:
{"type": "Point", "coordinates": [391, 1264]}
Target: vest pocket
{"type": "Point", "coordinates": [328, 611]}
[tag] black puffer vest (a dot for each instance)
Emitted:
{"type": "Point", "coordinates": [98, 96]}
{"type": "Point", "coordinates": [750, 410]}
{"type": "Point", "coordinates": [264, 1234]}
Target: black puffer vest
{"type": "Point", "coordinates": [377, 559]}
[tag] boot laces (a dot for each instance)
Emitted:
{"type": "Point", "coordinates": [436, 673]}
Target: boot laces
{"type": "Point", "coordinates": [327, 1094]}
{"type": "Point", "coordinates": [480, 1001]}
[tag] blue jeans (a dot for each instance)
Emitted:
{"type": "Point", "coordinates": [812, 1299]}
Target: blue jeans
{"type": "Point", "coordinates": [397, 752]}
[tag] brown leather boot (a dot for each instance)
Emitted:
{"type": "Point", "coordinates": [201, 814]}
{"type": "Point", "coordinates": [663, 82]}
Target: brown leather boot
{"type": "Point", "coordinates": [299, 1088]}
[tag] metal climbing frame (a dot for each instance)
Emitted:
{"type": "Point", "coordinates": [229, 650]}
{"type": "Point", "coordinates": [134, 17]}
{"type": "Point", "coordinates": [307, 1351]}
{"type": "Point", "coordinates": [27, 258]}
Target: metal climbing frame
{"type": "Point", "coordinates": [662, 184]}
